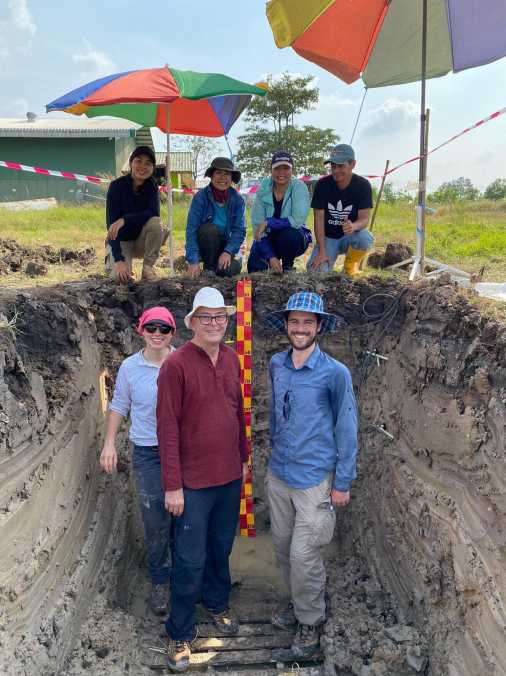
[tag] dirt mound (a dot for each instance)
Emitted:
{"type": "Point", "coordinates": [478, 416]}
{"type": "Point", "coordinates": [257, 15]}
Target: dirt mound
{"type": "Point", "coordinates": [15, 257]}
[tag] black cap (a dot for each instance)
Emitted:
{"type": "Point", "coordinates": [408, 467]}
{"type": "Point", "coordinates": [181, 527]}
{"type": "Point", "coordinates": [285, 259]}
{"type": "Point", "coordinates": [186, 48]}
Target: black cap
{"type": "Point", "coordinates": [143, 150]}
{"type": "Point", "coordinates": [281, 157]}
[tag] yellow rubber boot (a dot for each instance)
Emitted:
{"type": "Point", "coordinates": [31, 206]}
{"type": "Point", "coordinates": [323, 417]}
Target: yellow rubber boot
{"type": "Point", "coordinates": [352, 261]}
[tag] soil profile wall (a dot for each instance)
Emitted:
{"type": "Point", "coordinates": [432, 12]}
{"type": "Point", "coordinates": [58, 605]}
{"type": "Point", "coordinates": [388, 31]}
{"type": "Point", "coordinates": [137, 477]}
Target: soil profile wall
{"type": "Point", "coordinates": [428, 509]}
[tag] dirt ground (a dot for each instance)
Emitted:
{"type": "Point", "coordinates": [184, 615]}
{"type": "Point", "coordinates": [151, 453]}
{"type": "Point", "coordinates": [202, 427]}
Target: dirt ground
{"type": "Point", "coordinates": [415, 572]}
{"type": "Point", "coordinates": [35, 261]}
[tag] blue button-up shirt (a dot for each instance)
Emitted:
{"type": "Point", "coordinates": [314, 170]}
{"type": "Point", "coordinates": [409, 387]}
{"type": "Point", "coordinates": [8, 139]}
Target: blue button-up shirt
{"type": "Point", "coordinates": [313, 421]}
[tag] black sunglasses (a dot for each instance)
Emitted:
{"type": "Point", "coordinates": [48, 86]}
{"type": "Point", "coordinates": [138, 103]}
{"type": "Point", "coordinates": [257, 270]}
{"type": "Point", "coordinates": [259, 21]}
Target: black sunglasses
{"type": "Point", "coordinates": [152, 328]}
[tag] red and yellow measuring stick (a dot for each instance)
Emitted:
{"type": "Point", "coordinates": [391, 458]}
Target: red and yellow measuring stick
{"type": "Point", "coordinates": [244, 350]}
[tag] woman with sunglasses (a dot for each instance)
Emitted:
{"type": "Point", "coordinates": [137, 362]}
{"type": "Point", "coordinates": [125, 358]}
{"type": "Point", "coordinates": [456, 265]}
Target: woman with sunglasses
{"type": "Point", "coordinates": [135, 394]}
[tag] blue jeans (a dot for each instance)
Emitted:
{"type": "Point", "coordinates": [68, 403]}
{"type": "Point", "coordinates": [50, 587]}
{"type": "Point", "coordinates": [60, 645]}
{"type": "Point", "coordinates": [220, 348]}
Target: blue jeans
{"type": "Point", "coordinates": [286, 244]}
{"type": "Point", "coordinates": [362, 240]}
{"type": "Point", "coordinates": [156, 519]}
{"type": "Point", "coordinates": [203, 539]}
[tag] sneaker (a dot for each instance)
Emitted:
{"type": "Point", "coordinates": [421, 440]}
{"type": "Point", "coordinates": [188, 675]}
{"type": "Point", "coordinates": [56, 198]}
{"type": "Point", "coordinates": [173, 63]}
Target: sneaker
{"type": "Point", "coordinates": [178, 655]}
{"type": "Point", "coordinates": [226, 622]}
{"type": "Point", "coordinates": [148, 274]}
{"type": "Point", "coordinates": [284, 617]}
{"type": "Point", "coordinates": [306, 641]}
{"type": "Point", "coordinates": [159, 599]}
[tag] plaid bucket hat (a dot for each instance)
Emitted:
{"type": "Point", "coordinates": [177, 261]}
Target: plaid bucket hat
{"type": "Point", "coordinates": [305, 301]}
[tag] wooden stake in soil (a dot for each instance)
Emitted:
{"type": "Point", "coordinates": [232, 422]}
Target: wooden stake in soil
{"type": "Point", "coordinates": [245, 352]}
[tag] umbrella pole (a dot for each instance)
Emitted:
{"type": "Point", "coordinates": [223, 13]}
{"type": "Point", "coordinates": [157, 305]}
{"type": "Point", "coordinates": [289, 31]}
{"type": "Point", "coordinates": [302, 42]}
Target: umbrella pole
{"type": "Point", "coordinates": [418, 265]}
{"type": "Point", "coordinates": [168, 185]}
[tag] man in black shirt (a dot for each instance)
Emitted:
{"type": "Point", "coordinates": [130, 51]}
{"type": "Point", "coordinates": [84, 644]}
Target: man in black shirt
{"type": "Point", "coordinates": [133, 218]}
{"type": "Point", "coordinates": [342, 202]}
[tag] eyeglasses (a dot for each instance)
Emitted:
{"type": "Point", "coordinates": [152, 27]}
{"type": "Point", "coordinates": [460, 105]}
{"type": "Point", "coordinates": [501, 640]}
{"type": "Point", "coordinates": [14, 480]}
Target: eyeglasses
{"type": "Point", "coordinates": [205, 320]}
{"type": "Point", "coordinates": [286, 405]}
{"type": "Point", "coordinates": [153, 328]}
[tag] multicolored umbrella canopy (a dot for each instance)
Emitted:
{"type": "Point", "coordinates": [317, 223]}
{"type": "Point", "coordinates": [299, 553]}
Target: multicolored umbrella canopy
{"type": "Point", "coordinates": [201, 104]}
{"type": "Point", "coordinates": [381, 40]}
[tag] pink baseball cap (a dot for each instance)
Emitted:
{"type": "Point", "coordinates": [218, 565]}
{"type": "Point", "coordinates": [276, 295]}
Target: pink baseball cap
{"type": "Point", "coordinates": [158, 315]}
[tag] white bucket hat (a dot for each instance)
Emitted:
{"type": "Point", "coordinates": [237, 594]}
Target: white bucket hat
{"type": "Point", "coordinates": [209, 297]}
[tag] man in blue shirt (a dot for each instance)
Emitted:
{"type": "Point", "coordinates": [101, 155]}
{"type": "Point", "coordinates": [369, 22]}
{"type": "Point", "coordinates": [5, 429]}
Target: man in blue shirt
{"type": "Point", "coordinates": [313, 434]}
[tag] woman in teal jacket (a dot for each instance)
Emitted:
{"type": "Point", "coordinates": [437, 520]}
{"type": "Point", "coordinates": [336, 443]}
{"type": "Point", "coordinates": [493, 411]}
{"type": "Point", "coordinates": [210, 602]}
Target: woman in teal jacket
{"type": "Point", "coordinates": [278, 217]}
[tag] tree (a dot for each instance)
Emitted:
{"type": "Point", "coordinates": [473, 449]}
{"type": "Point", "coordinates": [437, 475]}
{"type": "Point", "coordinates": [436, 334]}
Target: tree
{"type": "Point", "coordinates": [271, 127]}
{"type": "Point", "coordinates": [496, 190]}
{"type": "Point", "coordinates": [286, 96]}
{"type": "Point", "coordinates": [202, 148]}
{"type": "Point", "coordinates": [458, 189]}
{"type": "Point", "coordinates": [309, 145]}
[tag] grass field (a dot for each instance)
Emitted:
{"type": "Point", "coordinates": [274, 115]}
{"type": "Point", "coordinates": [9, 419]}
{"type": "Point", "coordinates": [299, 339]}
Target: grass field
{"type": "Point", "coordinates": [468, 235]}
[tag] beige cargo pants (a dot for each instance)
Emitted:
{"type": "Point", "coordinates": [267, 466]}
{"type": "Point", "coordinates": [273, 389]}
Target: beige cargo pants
{"type": "Point", "coordinates": [301, 523]}
{"type": "Point", "coordinates": [147, 246]}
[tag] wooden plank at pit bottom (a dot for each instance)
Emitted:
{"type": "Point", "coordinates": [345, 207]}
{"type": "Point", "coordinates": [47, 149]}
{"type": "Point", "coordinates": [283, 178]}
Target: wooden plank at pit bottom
{"type": "Point", "coordinates": [239, 658]}
{"type": "Point", "coordinates": [280, 639]}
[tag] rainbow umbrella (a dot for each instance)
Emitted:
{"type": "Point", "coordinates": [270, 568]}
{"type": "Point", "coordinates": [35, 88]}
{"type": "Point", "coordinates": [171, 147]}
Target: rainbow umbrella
{"type": "Point", "coordinates": [175, 101]}
{"type": "Point", "coordinates": [390, 42]}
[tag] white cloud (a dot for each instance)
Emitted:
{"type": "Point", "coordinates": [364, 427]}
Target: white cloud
{"type": "Point", "coordinates": [333, 101]}
{"type": "Point", "coordinates": [392, 116]}
{"type": "Point", "coordinates": [17, 29]}
{"type": "Point", "coordinates": [93, 62]}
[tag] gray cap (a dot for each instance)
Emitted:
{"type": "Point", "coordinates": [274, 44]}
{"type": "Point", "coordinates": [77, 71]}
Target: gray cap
{"type": "Point", "coordinates": [341, 154]}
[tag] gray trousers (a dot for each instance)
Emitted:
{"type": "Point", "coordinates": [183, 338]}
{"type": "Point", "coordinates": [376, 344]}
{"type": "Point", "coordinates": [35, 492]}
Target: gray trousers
{"type": "Point", "coordinates": [301, 523]}
{"type": "Point", "coordinates": [146, 246]}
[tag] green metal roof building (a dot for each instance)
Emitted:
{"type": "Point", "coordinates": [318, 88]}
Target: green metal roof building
{"type": "Point", "coordinates": [97, 147]}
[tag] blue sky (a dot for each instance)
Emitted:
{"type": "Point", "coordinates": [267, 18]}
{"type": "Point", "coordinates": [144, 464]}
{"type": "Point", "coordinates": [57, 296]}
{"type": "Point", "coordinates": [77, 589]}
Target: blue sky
{"type": "Point", "coordinates": [48, 48]}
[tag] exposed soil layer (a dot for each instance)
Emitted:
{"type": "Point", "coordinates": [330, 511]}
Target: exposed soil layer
{"type": "Point", "coordinates": [416, 582]}
{"type": "Point", "coordinates": [34, 261]}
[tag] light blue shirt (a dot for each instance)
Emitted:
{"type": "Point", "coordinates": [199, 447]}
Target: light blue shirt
{"type": "Point", "coordinates": [135, 393]}
{"type": "Point", "coordinates": [313, 428]}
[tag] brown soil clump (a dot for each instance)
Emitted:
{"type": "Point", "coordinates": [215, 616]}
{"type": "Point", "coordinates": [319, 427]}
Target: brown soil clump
{"type": "Point", "coordinates": [15, 257]}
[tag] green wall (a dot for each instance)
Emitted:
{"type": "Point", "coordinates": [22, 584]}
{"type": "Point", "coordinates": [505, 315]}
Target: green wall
{"type": "Point", "coordinates": [91, 156]}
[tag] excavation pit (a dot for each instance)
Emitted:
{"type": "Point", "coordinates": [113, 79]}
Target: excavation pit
{"type": "Point", "coordinates": [416, 583]}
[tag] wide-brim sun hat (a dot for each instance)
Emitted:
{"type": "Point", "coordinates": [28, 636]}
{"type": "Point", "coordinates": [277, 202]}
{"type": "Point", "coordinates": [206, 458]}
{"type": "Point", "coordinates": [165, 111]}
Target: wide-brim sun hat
{"type": "Point", "coordinates": [156, 315]}
{"type": "Point", "coordinates": [305, 301]}
{"type": "Point", "coordinates": [208, 297]}
{"type": "Point", "coordinates": [225, 164]}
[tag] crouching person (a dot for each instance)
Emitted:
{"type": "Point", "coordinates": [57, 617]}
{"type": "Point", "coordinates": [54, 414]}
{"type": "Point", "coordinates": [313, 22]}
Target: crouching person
{"type": "Point", "coordinates": [133, 219]}
{"type": "Point", "coordinates": [278, 217]}
{"type": "Point", "coordinates": [216, 227]}
{"type": "Point", "coordinates": [342, 203]}
{"type": "Point", "coordinates": [312, 462]}
{"type": "Point", "coordinates": [203, 452]}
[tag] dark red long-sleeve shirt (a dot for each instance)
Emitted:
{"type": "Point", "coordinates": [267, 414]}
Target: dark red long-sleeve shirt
{"type": "Point", "coordinates": [200, 419]}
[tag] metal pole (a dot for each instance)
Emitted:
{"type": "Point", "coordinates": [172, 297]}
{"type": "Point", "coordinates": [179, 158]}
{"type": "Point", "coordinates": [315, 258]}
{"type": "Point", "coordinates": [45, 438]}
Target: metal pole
{"type": "Point", "coordinates": [418, 265]}
{"type": "Point", "coordinates": [358, 116]}
{"type": "Point", "coordinates": [168, 185]}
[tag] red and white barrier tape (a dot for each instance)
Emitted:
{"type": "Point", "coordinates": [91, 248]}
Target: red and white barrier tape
{"type": "Point", "coordinates": [71, 176]}
{"type": "Point", "coordinates": [498, 113]}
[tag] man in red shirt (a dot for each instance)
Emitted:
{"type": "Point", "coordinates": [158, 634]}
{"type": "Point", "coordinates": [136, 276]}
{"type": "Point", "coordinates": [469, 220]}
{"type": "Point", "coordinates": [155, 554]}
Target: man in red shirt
{"type": "Point", "coordinates": [202, 442]}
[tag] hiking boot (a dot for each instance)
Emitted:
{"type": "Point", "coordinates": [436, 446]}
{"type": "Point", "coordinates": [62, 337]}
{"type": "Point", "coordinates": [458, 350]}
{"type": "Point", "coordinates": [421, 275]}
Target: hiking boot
{"type": "Point", "coordinates": [148, 274]}
{"type": "Point", "coordinates": [226, 622]}
{"type": "Point", "coordinates": [284, 617]}
{"type": "Point", "coordinates": [158, 599]}
{"type": "Point", "coordinates": [178, 655]}
{"type": "Point", "coordinates": [306, 641]}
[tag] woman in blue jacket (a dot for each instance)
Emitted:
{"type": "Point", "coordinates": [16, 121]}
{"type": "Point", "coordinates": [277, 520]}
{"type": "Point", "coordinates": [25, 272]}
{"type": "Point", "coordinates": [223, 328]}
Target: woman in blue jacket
{"type": "Point", "coordinates": [215, 229]}
{"type": "Point", "coordinates": [278, 217]}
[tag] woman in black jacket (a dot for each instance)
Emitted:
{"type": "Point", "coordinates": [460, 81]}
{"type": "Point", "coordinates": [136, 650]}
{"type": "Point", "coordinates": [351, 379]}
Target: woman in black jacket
{"type": "Point", "coordinates": [133, 218]}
